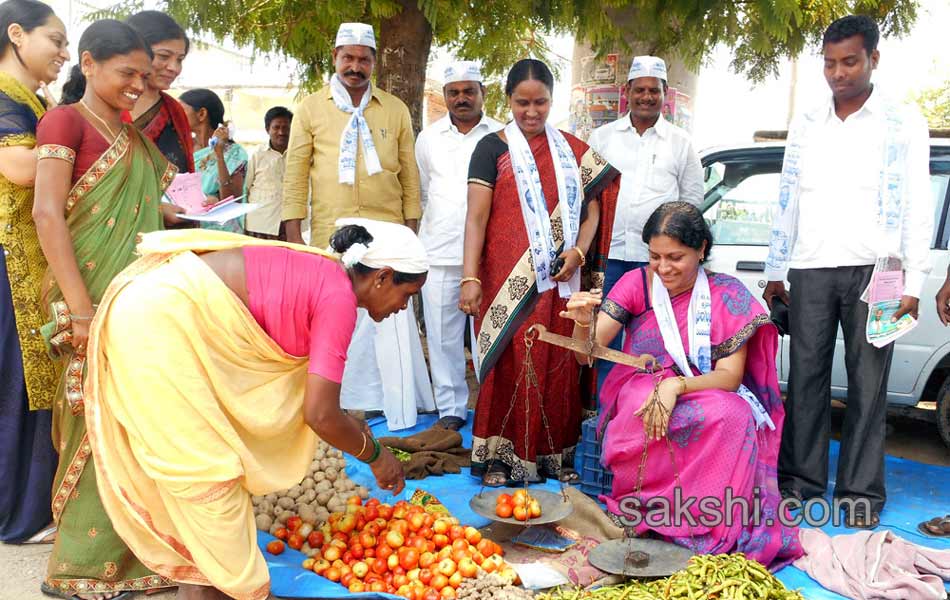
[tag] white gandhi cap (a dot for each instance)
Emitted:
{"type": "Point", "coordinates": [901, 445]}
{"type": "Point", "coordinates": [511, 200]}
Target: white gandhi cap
{"type": "Point", "coordinates": [355, 34]}
{"type": "Point", "coordinates": [647, 66]}
{"type": "Point", "coordinates": [463, 70]}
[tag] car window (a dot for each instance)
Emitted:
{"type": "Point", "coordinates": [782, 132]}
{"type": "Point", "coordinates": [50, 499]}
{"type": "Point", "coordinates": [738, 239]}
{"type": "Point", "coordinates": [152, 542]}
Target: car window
{"type": "Point", "coordinates": [739, 196]}
{"type": "Point", "coordinates": [939, 183]}
{"type": "Point", "coordinates": [741, 215]}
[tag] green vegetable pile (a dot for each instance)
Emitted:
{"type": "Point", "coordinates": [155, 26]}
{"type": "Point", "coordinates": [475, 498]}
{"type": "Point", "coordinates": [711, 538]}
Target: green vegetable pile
{"type": "Point", "coordinates": [400, 455]}
{"type": "Point", "coordinates": [720, 577]}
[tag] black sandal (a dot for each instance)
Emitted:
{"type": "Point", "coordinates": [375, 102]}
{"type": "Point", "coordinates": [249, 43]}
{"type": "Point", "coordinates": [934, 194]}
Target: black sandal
{"type": "Point", "coordinates": [861, 521]}
{"type": "Point", "coordinates": [569, 476]}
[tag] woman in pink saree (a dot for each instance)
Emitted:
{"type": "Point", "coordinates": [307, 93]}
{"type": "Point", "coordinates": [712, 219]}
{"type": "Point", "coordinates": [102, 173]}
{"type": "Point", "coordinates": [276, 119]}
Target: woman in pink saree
{"type": "Point", "coordinates": [712, 430]}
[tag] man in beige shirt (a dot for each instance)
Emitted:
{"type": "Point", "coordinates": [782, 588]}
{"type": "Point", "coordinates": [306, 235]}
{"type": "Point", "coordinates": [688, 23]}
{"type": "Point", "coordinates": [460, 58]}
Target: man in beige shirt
{"type": "Point", "coordinates": [354, 144]}
{"type": "Point", "coordinates": [264, 181]}
{"type": "Point", "coordinates": [385, 181]}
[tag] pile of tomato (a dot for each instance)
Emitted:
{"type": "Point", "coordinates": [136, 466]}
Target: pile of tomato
{"type": "Point", "coordinates": [399, 549]}
{"type": "Point", "coordinates": [519, 505]}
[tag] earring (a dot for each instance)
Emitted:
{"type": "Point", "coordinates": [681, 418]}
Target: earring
{"type": "Point", "coordinates": [379, 285]}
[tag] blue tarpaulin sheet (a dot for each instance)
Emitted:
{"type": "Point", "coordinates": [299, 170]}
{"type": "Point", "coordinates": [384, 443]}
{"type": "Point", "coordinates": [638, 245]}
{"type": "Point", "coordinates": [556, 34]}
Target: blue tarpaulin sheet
{"type": "Point", "coordinates": [915, 491]}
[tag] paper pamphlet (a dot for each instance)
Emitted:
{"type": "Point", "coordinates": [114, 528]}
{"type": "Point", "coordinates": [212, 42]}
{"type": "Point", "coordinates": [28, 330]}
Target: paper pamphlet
{"type": "Point", "coordinates": [223, 212]}
{"type": "Point", "coordinates": [185, 191]}
{"type": "Point", "coordinates": [883, 296]}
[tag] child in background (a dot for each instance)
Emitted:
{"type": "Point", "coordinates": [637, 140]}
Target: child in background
{"type": "Point", "coordinates": [265, 177]}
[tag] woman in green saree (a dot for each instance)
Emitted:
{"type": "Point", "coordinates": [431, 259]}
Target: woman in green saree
{"type": "Point", "coordinates": [99, 185]}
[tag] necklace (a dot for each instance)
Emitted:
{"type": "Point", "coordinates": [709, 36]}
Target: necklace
{"type": "Point", "coordinates": [98, 118]}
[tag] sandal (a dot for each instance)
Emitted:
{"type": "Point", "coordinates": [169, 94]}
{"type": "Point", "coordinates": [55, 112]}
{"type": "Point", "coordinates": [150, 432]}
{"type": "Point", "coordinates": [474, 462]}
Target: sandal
{"type": "Point", "coordinates": [937, 527]}
{"type": "Point", "coordinates": [860, 521]}
{"type": "Point", "coordinates": [46, 536]}
{"type": "Point", "coordinates": [569, 476]}
{"type": "Point", "coordinates": [496, 476]}
{"type": "Point", "coordinates": [49, 590]}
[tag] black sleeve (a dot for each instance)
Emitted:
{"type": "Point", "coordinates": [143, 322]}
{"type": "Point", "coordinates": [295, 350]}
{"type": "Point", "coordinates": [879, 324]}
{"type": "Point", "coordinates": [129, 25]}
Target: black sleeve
{"type": "Point", "coordinates": [483, 168]}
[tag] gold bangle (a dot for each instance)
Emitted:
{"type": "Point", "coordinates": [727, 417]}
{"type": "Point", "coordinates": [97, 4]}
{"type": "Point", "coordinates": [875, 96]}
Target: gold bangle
{"type": "Point", "coordinates": [468, 279]}
{"type": "Point", "coordinates": [582, 325]}
{"type": "Point", "coordinates": [363, 449]}
{"type": "Point", "coordinates": [682, 381]}
{"type": "Point", "coordinates": [581, 254]}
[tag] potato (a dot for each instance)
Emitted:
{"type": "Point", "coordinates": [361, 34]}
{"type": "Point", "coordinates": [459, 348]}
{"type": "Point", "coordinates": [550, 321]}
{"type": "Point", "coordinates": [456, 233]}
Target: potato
{"type": "Point", "coordinates": [332, 474]}
{"type": "Point", "coordinates": [323, 498]}
{"type": "Point", "coordinates": [266, 507]}
{"type": "Point", "coordinates": [256, 500]}
{"type": "Point", "coordinates": [308, 515]}
{"type": "Point", "coordinates": [363, 492]}
{"type": "Point", "coordinates": [272, 498]}
{"type": "Point", "coordinates": [282, 518]}
{"type": "Point", "coordinates": [295, 492]}
{"type": "Point", "coordinates": [263, 522]}
{"type": "Point", "coordinates": [286, 502]}
{"type": "Point", "coordinates": [273, 528]}
{"type": "Point", "coordinates": [350, 484]}
{"type": "Point", "coordinates": [322, 515]}
{"type": "Point", "coordinates": [324, 486]}
{"type": "Point", "coordinates": [308, 484]}
{"type": "Point", "coordinates": [318, 477]}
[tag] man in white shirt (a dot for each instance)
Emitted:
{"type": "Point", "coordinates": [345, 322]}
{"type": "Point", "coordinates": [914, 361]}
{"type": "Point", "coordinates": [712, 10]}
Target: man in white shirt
{"type": "Point", "coordinates": [443, 151]}
{"type": "Point", "coordinates": [855, 187]}
{"type": "Point", "coordinates": [658, 164]}
{"type": "Point", "coordinates": [265, 176]}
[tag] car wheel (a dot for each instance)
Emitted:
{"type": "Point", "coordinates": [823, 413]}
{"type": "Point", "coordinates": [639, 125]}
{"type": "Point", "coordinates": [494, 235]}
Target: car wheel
{"type": "Point", "coordinates": [943, 412]}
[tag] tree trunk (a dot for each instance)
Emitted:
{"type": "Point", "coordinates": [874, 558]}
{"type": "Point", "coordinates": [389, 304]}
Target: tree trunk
{"type": "Point", "coordinates": [404, 43]}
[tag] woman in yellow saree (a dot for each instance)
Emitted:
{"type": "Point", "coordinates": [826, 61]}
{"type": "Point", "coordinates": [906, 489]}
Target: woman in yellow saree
{"type": "Point", "coordinates": [213, 361]}
{"type": "Point", "coordinates": [32, 52]}
{"type": "Point", "coordinates": [99, 185]}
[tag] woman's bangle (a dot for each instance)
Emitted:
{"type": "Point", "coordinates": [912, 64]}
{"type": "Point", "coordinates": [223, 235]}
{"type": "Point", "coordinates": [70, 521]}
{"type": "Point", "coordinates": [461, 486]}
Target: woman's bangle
{"type": "Point", "coordinates": [377, 450]}
{"type": "Point", "coordinates": [682, 381]}
{"type": "Point", "coordinates": [468, 279]}
{"type": "Point", "coordinates": [582, 325]}
{"type": "Point", "coordinates": [363, 449]}
{"type": "Point", "coordinates": [75, 318]}
{"type": "Point", "coordinates": [581, 254]}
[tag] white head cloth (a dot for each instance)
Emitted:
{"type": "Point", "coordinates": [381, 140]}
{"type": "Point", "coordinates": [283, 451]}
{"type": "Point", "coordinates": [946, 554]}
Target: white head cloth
{"type": "Point", "coordinates": [463, 70]}
{"type": "Point", "coordinates": [647, 66]}
{"type": "Point", "coordinates": [394, 246]}
{"type": "Point", "coordinates": [355, 34]}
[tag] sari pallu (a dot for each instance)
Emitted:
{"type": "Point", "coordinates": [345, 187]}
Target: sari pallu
{"type": "Point", "coordinates": [170, 118]}
{"type": "Point", "coordinates": [109, 206]}
{"type": "Point", "coordinates": [511, 304]}
{"type": "Point", "coordinates": [176, 476]}
{"type": "Point", "coordinates": [715, 443]}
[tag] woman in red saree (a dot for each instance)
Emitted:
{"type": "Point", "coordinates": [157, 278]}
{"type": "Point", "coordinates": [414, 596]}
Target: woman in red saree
{"type": "Point", "coordinates": [156, 114]}
{"type": "Point", "coordinates": [536, 197]}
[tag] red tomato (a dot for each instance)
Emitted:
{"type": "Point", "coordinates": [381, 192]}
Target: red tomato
{"type": "Point", "coordinates": [504, 499]}
{"type": "Point", "coordinates": [275, 547]}
{"type": "Point", "coordinates": [370, 513]}
{"type": "Point", "coordinates": [383, 551]}
{"type": "Point", "coordinates": [333, 574]}
{"type": "Point", "coordinates": [380, 566]}
{"type": "Point", "coordinates": [439, 581]}
{"type": "Point", "coordinates": [504, 510]}
{"type": "Point", "coordinates": [331, 553]}
{"type": "Point", "coordinates": [448, 593]}
{"type": "Point", "coordinates": [315, 539]}
{"type": "Point", "coordinates": [409, 559]}
{"type": "Point", "coordinates": [441, 540]}
{"type": "Point", "coordinates": [468, 568]}
{"type": "Point", "coordinates": [473, 535]}
{"type": "Point", "coordinates": [346, 579]}
{"type": "Point", "coordinates": [293, 523]}
{"type": "Point", "coordinates": [431, 594]}
{"type": "Point", "coordinates": [385, 511]}
{"type": "Point", "coordinates": [425, 576]}
{"type": "Point", "coordinates": [295, 541]}
{"type": "Point", "coordinates": [395, 539]}
{"type": "Point", "coordinates": [357, 587]}
{"type": "Point", "coordinates": [355, 501]}
{"type": "Point", "coordinates": [460, 544]}
{"type": "Point", "coordinates": [283, 534]}
{"type": "Point", "coordinates": [426, 532]}
{"type": "Point", "coordinates": [369, 553]}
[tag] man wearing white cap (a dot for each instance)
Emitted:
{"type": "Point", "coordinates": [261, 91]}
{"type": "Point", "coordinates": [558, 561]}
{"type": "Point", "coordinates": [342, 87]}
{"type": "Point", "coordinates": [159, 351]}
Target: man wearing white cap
{"type": "Point", "coordinates": [658, 164]}
{"type": "Point", "coordinates": [443, 152]}
{"type": "Point", "coordinates": [351, 155]}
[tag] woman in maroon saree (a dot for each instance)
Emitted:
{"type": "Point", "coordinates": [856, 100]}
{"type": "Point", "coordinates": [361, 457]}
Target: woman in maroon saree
{"type": "Point", "coordinates": [500, 287]}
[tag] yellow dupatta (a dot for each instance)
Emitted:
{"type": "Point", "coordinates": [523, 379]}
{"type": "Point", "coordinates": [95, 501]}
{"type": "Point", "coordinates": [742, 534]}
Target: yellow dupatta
{"type": "Point", "coordinates": [191, 408]}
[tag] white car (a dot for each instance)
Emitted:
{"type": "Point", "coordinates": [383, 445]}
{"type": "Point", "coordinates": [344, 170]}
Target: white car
{"type": "Point", "coordinates": [741, 184]}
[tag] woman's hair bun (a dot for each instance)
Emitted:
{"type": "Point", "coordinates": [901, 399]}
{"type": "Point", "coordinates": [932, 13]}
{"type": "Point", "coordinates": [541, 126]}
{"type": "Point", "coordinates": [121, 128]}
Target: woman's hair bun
{"type": "Point", "coordinates": [346, 236]}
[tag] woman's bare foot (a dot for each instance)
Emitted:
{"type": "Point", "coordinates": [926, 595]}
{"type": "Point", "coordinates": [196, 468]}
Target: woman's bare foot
{"type": "Point", "coordinates": [188, 591]}
{"type": "Point", "coordinates": [102, 596]}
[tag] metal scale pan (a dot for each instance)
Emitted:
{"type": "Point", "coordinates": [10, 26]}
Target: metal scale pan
{"type": "Point", "coordinates": [639, 557]}
{"type": "Point", "coordinates": [554, 506]}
